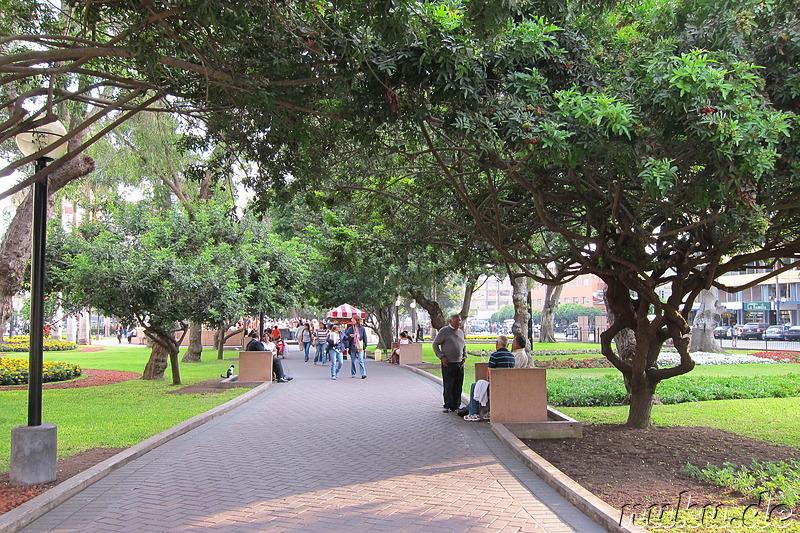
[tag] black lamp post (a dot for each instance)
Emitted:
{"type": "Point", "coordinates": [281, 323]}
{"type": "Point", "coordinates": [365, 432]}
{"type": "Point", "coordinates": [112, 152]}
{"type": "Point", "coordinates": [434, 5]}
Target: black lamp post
{"type": "Point", "coordinates": [33, 447]}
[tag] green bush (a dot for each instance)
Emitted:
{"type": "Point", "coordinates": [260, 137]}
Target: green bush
{"type": "Point", "coordinates": [585, 392]}
{"type": "Point", "coordinates": [15, 371]}
{"type": "Point", "coordinates": [20, 343]}
{"type": "Point", "coordinates": [781, 480]}
{"type": "Point", "coordinates": [609, 390]}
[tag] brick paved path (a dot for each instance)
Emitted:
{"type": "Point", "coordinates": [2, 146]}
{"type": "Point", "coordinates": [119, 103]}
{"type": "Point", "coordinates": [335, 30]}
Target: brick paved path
{"type": "Point", "coordinates": [321, 455]}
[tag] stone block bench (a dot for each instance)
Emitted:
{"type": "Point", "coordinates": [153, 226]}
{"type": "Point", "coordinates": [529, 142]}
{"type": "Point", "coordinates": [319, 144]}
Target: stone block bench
{"type": "Point", "coordinates": [410, 354]}
{"type": "Point", "coordinates": [518, 400]}
{"type": "Point", "coordinates": [255, 367]}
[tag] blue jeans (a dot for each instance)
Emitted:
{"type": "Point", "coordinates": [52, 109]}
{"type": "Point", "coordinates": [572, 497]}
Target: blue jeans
{"type": "Point", "coordinates": [336, 361]}
{"type": "Point", "coordinates": [357, 358]}
{"type": "Point", "coordinates": [322, 355]}
{"type": "Point", "coordinates": [306, 349]}
{"type": "Point", "coordinates": [474, 406]}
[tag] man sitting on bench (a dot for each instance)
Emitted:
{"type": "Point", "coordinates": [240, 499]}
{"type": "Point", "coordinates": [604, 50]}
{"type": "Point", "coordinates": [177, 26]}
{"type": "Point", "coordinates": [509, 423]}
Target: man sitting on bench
{"type": "Point", "coordinates": [267, 345]}
{"type": "Point", "coordinates": [501, 358]}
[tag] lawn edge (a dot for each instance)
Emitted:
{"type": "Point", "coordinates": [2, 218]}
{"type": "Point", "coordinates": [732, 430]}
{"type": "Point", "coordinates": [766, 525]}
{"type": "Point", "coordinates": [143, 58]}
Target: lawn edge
{"type": "Point", "coordinates": [34, 508]}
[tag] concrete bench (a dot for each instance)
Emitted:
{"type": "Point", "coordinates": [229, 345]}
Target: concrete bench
{"type": "Point", "coordinates": [518, 395]}
{"type": "Point", "coordinates": [255, 366]}
{"type": "Point", "coordinates": [410, 354]}
{"type": "Point", "coordinates": [518, 400]}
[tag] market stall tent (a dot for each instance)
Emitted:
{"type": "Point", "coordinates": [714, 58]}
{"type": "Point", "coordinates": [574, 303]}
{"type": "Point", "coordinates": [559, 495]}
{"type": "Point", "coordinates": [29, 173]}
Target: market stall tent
{"type": "Point", "coordinates": [345, 311]}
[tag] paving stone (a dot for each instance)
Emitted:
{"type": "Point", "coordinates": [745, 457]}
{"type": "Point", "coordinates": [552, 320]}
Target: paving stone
{"type": "Point", "coordinates": [323, 456]}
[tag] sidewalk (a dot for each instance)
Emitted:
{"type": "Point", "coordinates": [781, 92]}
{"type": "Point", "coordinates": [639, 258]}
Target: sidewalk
{"type": "Point", "coordinates": [318, 455]}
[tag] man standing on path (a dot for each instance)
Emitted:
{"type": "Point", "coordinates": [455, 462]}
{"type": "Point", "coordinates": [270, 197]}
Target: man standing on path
{"type": "Point", "coordinates": [451, 349]}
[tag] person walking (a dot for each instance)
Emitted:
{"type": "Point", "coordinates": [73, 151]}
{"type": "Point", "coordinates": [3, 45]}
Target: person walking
{"type": "Point", "coordinates": [451, 349]}
{"type": "Point", "coordinates": [335, 338]}
{"type": "Point", "coordinates": [305, 337]}
{"type": "Point", "coordinates": [322, 344]}
{"type": "Point", "coordinates": [357, 344]}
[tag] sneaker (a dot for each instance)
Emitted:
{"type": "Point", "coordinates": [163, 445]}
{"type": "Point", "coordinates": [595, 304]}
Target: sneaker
{"type": "Point", "coordinates": [463, 411]}
{"type": "Point", "coordinates": [473, 418]}
{"type": "Point", "coordinates": [283, 380]}
{"type": "Point", "coordinates": [333, 377]}
{"type": "Point", "coordinates": [364, 377]}
{"type": "Point", "coordinates": [485, 417]}
{"type": "Point", "coordinates": [288, 378]}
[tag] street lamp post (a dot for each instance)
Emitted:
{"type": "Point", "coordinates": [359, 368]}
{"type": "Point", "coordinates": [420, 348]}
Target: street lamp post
{"type": "Point", "coordinates": [33, 447]}
{"type": "Point", "coordinates": [397, 320]}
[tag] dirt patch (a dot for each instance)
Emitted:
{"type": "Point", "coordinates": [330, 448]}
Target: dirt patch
{"type": "Point", "coordinates": [92, 378]}
{"type": "Point", "coordinates": [210, 386]}
{"type": "Point", "coordinates": [11, 496]}
{"type": "Point", "coordinates": [622, 465]}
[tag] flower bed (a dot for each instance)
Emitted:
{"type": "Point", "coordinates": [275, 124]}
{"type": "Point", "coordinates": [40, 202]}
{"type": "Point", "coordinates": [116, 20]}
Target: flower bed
{"type": "Point", "coordinates": [779, 357]}
{"type": "Point", "coordinates": [15, 371]}
{"type": "Point", "coordinates": [597, 362]}
{"type": "Point", "coordinates": [667, 359]}
{"type": "Point", "coordinates": [21, 343]}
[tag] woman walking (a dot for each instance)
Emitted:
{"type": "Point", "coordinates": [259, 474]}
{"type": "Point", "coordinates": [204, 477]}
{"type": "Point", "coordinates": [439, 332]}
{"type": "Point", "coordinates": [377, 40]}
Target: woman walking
{"type": "Point", "coordinates": [306, 338]}
{"type": "Point", "coordinates": [335, 338]}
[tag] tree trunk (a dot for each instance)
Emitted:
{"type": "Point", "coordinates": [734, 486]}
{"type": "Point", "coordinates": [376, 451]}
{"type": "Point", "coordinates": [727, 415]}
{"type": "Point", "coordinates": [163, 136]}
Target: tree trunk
{"type": "Point", "coordinates": [15, 249]}
{"type": "Point", "coordinates": [221, 336]}
{"type": "Point", "coordinates": [551, 296]}
{"type": "Point", "coordinates": [469, 289]}
{"type": "Point", "coordinates": [165, 348]}
{"type": "Point", "coordinates": [522, 314]}
{"type": "Point", "coordinates": [641, 402]}
{"type": "Point", "coordinates": [708, 316]}
{"type": "Point", "coordinates": [625, 341]}
{"type": "Point", "coordinates": [438, 320]}
{"type": "Point", "coordinates": [384, 330]}
{"type": "Point", "coordinates": [157, 363]}
{"type": "Point", "coordinates": [195, 349]}
{"type": "Point", "coordinates": [84, 329]}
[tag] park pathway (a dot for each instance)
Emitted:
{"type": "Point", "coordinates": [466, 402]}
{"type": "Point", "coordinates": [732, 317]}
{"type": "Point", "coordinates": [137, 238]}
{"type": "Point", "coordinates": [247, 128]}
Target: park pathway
{"type": "Point", "coordinates": [318, 455]}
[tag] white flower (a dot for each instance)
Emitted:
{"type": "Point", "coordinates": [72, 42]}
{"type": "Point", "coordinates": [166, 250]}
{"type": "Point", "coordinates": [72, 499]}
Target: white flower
{"type": "Point", "coordinates": [667, 359]}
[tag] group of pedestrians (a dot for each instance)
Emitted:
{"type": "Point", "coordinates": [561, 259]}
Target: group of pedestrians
{"type": "Point", "coordinates": [332, 343]}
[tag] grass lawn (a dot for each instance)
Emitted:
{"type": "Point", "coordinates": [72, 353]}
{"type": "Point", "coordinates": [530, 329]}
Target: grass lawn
{"type": "Point", "coordinates": [775, 420]}
{"type": "Point", "coordinates": [114, 415]}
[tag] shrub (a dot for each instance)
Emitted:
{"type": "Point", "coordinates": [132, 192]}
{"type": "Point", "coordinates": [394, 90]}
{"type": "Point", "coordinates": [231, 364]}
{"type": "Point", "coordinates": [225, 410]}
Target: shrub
{"type": "Point", "coordinates": [15, 371]}
{"type": "Point", "coordinates": [781, 479]}
{"type": "Point", "coordinates": [610, 390]}
{"type": "Point", "coordinates": [585, 392]}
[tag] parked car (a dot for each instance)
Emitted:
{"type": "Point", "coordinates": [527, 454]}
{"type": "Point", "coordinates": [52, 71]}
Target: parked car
{"type": "Point", "coordinates": [572, 330]}
{"type": "Point", "coordinates": [793, 333]}
{"type": "Point", "coordinates": [776, 332]}
{"type": "Point", "coordinates": [721, 332]}
{"type": "Point", "coordinates": [753, 330]}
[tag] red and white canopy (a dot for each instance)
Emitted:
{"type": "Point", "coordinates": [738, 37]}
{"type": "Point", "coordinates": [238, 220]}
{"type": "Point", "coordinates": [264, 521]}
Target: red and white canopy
{"type": "Point", "coordinates": [346, 311]}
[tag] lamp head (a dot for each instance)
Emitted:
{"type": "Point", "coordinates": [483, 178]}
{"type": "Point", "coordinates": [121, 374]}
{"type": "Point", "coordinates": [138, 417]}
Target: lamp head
{"type": "Point", "coordinates": [40, 137]}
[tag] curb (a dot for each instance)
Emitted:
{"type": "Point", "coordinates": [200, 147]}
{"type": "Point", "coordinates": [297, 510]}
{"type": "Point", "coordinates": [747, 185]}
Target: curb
{"type": "Point", "coordinates": [599, 511]}
{"type": "Point", "coordinates": [17, 518]}
{"type": "Point", "coordinates": [593, 507]}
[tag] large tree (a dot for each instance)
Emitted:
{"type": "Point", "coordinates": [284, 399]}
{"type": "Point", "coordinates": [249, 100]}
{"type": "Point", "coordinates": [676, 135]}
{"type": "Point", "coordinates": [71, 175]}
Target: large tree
{"type": "Point", "coordinates": [157, 269]}
{"type": "Point", "coordinates": [662, 157]}
{"type": "Point", "coordinates": [659, 166]}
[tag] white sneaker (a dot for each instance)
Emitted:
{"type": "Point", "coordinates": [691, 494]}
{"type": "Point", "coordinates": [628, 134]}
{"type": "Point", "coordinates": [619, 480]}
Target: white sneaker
{"type": "Point", "coordinates": [473, 418]}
